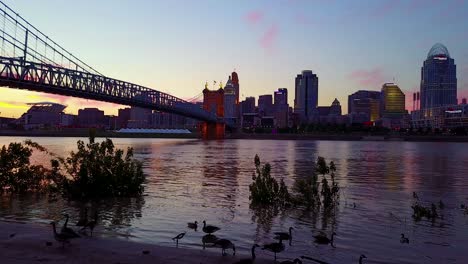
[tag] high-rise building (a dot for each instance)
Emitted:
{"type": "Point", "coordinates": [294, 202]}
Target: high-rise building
{"type": "Point", "coordinates": [361, 94]}
{"type": "Point", "coordinates": [438, 80]}
{"type": "Point", "coordinates": [248, 105]}
{"type": "Point", "coordinates": [306, 96]}
{"type": "Point", "coordinates": [281, 97]}
{"type": "Point", "coordinates": [230, 102]}
{"type": "Point", "coordinates": [91, 117]}
{"type": "Point", "coordinates": [393, 100]}
{"type": "Point", "coordinates": [281, 107]}
{"type": "Point", "coordinates": [265, 105]}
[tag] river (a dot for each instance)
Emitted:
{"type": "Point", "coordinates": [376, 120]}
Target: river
{"type": "Point", "coordinates": [190, 180]}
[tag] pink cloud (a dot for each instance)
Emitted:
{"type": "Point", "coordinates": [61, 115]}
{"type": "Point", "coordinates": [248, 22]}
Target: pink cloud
{"type": "Point", "coordinates": [254, 17]}
{"type": "Point", "coordinates": [369, 78]}
{"type": "Point", "coordinates": [269, 38]}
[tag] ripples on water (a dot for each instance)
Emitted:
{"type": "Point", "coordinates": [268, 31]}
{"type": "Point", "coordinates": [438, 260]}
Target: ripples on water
{"type": "Point", "coordinates": [190, 180]}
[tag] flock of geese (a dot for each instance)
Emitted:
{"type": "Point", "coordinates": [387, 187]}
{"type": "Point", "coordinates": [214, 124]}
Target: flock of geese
{"type": "Point", "coordinates": [67, 233]}
{"type": "Point", "coordinates": [275, 247]}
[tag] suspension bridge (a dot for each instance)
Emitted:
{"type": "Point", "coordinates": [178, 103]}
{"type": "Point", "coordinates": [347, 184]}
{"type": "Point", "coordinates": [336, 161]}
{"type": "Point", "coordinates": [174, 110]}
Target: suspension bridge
{"type": "Point", "coordinates": [30, 60]}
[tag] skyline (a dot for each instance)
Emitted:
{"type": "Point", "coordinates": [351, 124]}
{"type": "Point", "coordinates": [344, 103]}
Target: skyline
{"type": "Point", "coordinates": [269, 53]}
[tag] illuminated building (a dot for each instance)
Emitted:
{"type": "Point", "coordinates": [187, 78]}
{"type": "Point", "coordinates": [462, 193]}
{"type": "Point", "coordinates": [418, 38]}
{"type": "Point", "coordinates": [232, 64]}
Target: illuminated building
{"type": "Point", "coordinates": [438, 80]}
{"type": "Point", "coordinates": [393, 100]}
{"type": "Point", "coordinates": [306, 96]}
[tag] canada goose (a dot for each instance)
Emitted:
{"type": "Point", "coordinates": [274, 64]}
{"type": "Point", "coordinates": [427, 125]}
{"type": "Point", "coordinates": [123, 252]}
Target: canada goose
{"type": "Point", "coordinates": [295, 261]}
{"type": "Point", "coordinates": [284, 235]}
{"type": "Point", "coordinates": [193, 225]}
{"type": "Point", "coordinates": [209, 229]}
{"type": "Point", "coordinates": [404, 239]}
{"type": "Point", "coordinates": [361, 257]}
{"type": "Point", "coordinates": [249, 260]}
{"type": "Point", "coordinates": [323, 239]}
{"type": "Point", "coordinates": [66, 230]}
{"type": "Point", "coordinates": [91, 224]}
{"type": "Point", "coordinates": [225, 244]}
{"type": "Point", "coordinates": [209, 239]}
{"type": "Point", "coordinates": [276, 247]}
{"type": "Point", "coordinates": [179, 236]}
{"type": "Point", "coordinates": [83, 221]}
{"type": "Point", "coordinates": [316, 260]}
{"type": "Point", "coordinates": [62, 238]}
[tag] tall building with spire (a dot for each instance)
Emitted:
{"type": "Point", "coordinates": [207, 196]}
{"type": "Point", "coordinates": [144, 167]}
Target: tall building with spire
{"type": "Point", "coordinates": [438, 80]}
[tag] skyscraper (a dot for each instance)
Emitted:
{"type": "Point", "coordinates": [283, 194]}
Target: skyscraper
{"type": "Point", "coordinates": [281, 107]}
{"type": "Point", "coordinates": [230, 105]}
{"type": "Point", "coordinates": [438, 80]}
{"type": "Point", "coordinates": [306, 95]}
{"type": "Point", "coordinates": [265, 105]}
{"type": "Point", "coordinates": [393, 100]}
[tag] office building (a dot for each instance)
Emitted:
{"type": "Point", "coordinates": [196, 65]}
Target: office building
{"type": "Point", "coordinates": [392, 100]}
{"type": "Point", "coordinates": [438, 80]}
{"type": "Point", "coordinates": [248, 105]}
{"type": "Point", "coordinates": [281, 108]}
{"type": "Point", "coordinates": [230, 102]}
{"type": "Point", "coordinates": [91, 118]}
{"type": "Point", "coordinates": [306, 96]}
{"type": "Point", "coordinates": [265, 105]}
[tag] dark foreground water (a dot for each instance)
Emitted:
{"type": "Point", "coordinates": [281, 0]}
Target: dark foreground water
{"type": "Point", "coordinates": [192, 180]}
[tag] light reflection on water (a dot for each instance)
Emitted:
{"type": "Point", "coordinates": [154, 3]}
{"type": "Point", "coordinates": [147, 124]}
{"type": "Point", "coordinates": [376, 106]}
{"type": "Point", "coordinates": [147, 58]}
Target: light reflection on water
{"type": "Point", "coordinates": [190, 180]}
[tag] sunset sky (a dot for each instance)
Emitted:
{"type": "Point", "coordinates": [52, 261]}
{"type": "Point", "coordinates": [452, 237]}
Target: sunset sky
{"type": "Point", "coordinates": [176, 46]}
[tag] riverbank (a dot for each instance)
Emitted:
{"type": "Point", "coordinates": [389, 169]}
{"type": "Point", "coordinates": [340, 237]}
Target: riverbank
{"type": "Point", "coordinates": [27, 243]}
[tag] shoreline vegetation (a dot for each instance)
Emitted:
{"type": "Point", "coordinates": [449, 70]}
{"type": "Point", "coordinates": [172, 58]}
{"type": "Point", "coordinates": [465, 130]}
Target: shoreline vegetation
{"type": "Point", "coordinates": [261, 136]}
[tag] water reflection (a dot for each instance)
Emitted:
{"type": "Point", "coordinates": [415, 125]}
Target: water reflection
{"type": "Point", "coordinates": [192, 180]}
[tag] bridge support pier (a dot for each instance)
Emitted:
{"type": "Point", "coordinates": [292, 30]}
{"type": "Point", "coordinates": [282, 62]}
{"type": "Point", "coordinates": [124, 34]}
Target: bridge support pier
{"type": "Point", "coordinates": [211, 131]}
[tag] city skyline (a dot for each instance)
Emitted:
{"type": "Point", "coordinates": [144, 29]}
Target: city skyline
{"type": "Point", "coordinates": [160, 58]}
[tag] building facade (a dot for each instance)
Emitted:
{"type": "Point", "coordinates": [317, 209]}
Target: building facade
{"type": "Point", "coordinates": [281, 108]}
{"type": "Point", "coordinates": [393, 100]}
{"type": "Point", "coordinates": [306, 96]}
{"type": "Point", "coordinates": [438, 80]}
{"type": "Point", "coordinates": [265, 105]}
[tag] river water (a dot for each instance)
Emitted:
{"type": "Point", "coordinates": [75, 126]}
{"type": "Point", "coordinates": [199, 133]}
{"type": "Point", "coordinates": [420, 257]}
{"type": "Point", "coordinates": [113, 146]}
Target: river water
{"type": "Point", "coordinates": [190, 180]}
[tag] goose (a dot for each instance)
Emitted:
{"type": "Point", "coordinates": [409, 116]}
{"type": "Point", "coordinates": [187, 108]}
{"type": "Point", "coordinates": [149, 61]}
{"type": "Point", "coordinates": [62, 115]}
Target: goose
{"type": "Point", "coordinates": [295, 261]}
{"type": "Point", "coordinates": [209, 239]}
{"type": "Point", "coordinates": [179, 236]}
{"type": "Point", "coordinates": [91, 224]}
{"type": "Point", "coordinates": [193, 225]}
{"type": "Point", "coordinates": [361, 257]}
{"type": "Point", "coordinates": [315, 260]}
{"type": "Point", "coordinates": [225, 244]}
{"type": "Point", "coordinates": [404, 239]}
{"type": "Point", "coordinates": [60, 237]}
{"type": "Point", "coordinates": [284, 235]}
{"type": "Point", "coordinates": [66, 230]}
{"type": "Point", "coordinates": [83, 221]}
{"type": "Point", "coordinates": [209, 229]}
{"type": "Point", "coordinates": [323, 239]}
{"type": "Point", "coordinates": [249, 260]}
{"type": "Point", "coordinates": [276, 247]}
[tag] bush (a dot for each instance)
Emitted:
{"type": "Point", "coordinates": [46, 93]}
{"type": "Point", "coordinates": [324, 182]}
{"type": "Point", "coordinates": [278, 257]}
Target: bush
{"type": "Point", "coordinates": [99, 170]}
{"type": "Point", "coordinates": [265, 189]}
{"type": "Point", "coordinates": [310, 193]}
{"type": "Point", "coordinates": [17, 175]}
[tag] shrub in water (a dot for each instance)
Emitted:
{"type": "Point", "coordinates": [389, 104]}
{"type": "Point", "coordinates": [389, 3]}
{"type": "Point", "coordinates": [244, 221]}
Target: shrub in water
{"type": "Point", "coordinates": [265, 190]}
{"type": "Point", "coordinates": [99, 170]}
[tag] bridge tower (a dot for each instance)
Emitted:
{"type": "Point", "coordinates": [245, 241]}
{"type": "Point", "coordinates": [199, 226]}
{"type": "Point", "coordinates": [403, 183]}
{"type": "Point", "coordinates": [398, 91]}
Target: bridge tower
{"type": "Point", "coordinates": [213, 102]}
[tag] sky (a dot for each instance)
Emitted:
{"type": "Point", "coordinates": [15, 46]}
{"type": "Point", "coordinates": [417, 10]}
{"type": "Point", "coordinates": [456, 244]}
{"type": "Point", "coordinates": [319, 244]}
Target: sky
{"type": "Point", "coordinates": [176, 46]}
